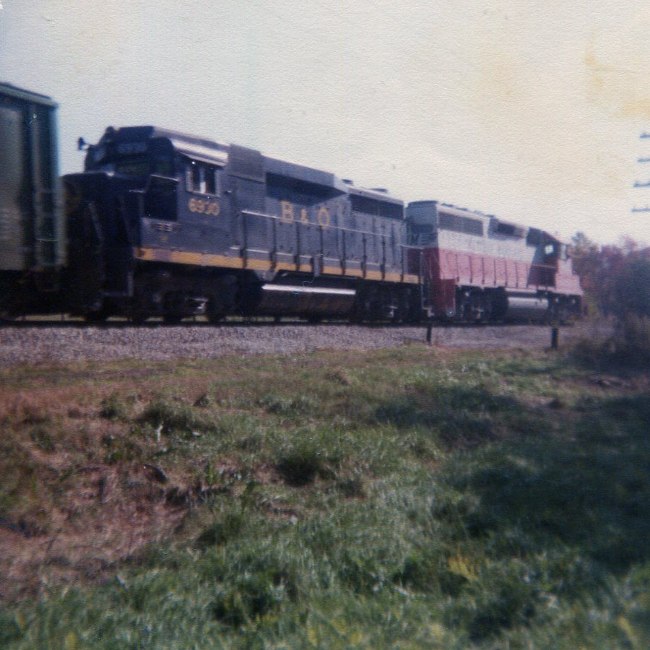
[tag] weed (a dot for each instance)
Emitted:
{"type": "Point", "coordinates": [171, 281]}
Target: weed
{"type": "Point", "coordinates": [117, 407]}
{"type": "Point", "coordinates": [290, 406]}
{"type": "Point", "coordinates": [177, 417]}
{"type": "Point", "coordinates": [203, 401]}
{"type": "Point", "coordinates": [121, 449]}
{"type": "Point", "coordinates": [301, 467]}
{"type": "Point", "coordinates": [41, 436]}
{"type": "Point", "coordinates": [11, 627]}
{"type": "Point", "coordinates": [351, 487]}
{"type": "Point", "coordinates": [250, 443]}
{"type": "Point", "coordinates": [227, 526]}
{"type": "Point", "coordinates": [497, 601]}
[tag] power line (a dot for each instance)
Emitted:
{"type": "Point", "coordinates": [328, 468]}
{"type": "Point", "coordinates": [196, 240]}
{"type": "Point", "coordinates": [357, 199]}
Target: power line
{"type": "Point", "coordinates": [637, 184]}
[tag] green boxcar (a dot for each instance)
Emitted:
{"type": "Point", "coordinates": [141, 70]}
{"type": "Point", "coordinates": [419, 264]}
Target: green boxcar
{"type": "Point", "coordinates": [31, 236]}
{"type": "Point", "coordinates": [32, 239]}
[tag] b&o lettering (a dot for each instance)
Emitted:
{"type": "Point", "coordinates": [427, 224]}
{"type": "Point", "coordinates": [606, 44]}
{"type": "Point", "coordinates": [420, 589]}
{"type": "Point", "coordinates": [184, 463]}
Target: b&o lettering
{"type": "Point", "coordinates": [287, 211]}
{"type": "Point", "coordinates": [324, 217]}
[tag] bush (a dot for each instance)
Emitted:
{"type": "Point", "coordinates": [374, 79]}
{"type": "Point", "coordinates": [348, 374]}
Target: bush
{"type": "Point", "coordinates": [631, 288]}
{"type": "Point", "coordinates": [616, 279]}
{"type": "Point", "coordinates": [631, 341]}
{"type": "Point", "coordinates": [628, 346]}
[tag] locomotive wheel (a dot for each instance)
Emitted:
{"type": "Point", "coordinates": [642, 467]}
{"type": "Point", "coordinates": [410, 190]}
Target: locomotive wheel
{"type": "Point", "coordinates": [7, 315]}
{"type": "Point", "coordinates": [216, 309]}
{"type": "Point", "coordinates": [499, 306]}
{"type": "Point", "coordinates": [96, 316]}
{"type": "Point", "coordinates": [8, 308]}
{"type": "Point", "coordinates": [139, 319]}
{"type": "Point", "coordinates": [215, 318]}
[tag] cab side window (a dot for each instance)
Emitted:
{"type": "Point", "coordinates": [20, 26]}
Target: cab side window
{"type": "Point", "coordinates": [209, 179]}
{"type": "Point", "coordinates": [159, 201]}
{"type": "Point", "coordinates": [202, 178]}
{"type": "Point", "coordinates": [196, 177]}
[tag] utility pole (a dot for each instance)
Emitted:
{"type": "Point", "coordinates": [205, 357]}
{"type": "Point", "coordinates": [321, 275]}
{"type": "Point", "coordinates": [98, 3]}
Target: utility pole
{"type": "Point", "coordinates": [643, 160]}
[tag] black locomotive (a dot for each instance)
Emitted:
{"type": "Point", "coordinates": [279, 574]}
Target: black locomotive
{"type": "Point", "coordinates": [166, 224]}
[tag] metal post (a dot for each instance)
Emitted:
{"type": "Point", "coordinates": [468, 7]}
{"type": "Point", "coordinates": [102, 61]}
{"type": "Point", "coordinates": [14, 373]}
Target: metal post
{"type": "Point", "coordinates": [429, 330]}
{"type": "Point", "coordinates": [555, 335]}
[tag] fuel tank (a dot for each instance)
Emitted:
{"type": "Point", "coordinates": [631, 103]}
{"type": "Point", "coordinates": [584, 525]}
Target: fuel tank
{"type": "Point", "coordinates": [530, 308]}
{"type": "Point", "coordinates": [305, 301]}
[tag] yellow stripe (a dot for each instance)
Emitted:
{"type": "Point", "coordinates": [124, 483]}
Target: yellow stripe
{"type": "Point", "coordinates": [197, 259]}
{"type": "Point", "coordinates": [285, 266]}
{"type": "Point", "coordinates": [331, 270]}
{"type": "Point", "coordinates": [201, 259]}
{"type": "Point", "coordinates": [257, 265]}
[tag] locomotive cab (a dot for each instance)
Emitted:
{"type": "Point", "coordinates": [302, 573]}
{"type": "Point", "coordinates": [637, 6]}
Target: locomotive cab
{"type": "Point", "coordinates": [131, 152]}
{"type": "Point", "coordinates": [128, 176]}
{"type": "Point", "coordinates": [149, 163]}
{"type": "Point", "coordinates": [145, 192]}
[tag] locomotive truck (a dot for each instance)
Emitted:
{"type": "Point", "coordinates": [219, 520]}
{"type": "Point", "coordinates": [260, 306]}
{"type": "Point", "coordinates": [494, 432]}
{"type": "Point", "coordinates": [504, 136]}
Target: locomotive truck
{"type": "Point", "coordinates": [165, 224]}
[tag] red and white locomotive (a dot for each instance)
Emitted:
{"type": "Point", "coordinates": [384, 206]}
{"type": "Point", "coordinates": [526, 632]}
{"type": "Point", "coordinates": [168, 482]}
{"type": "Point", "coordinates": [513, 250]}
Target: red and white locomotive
{"type": "Point", "coordinates": [474, 266]}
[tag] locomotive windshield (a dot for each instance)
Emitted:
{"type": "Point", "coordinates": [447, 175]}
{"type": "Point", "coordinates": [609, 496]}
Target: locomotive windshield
{"type": "Point", "coordinates": [139, 159]}
{"type": "Point", "coordinates": [421, 234]}
{"type": "Point", "coordinates": [142, 165]}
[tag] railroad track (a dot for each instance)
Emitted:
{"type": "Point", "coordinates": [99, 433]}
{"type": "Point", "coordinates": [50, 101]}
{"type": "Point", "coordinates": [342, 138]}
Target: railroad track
{"type": "Point", "coordinates": [28, 342]}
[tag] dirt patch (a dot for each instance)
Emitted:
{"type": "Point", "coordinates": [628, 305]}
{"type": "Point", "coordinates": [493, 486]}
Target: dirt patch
{"type": "Point", "coordinates": [109, 514]}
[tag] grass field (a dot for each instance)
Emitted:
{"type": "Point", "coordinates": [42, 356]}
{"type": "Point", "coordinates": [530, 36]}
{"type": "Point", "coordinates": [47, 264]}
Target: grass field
{"type": "Point", "coordinates": [406, 498]}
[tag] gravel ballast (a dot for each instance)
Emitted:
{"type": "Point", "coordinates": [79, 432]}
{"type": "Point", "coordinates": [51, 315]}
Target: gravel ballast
{"type": "Point", "coordinates": [69, 342]}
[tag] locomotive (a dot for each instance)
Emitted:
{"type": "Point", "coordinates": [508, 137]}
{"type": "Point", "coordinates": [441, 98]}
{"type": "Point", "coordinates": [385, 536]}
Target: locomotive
{"type": "Point", "coordinates": [165, 224]}
{"type": "Point", "coordinates": [476, 267]}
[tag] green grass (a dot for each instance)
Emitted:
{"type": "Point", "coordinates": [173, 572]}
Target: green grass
{"type": "Point", "coordinates": [393, 499]}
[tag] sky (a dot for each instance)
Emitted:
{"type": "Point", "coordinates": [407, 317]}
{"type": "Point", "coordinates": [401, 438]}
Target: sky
{"type": "Point", "coordinates": [530, 109]}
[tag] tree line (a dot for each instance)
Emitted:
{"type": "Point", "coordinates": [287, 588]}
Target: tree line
{"type": "Point", "coordinates": [616, 282]}
{"type": "Point", "coordinates": [615, 279]}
